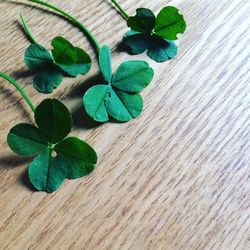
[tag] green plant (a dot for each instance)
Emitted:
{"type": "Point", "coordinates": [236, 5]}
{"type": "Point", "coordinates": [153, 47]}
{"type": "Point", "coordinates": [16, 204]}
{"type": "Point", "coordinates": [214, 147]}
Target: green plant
{"type": "Point", "coordinates": [119, 98]}
{"type": "Point", "coordinates": [57, 156]}
{"type": "Point", "coordinates": [154, 34]}
{"type": "Point", "coordinates": [64, 59]}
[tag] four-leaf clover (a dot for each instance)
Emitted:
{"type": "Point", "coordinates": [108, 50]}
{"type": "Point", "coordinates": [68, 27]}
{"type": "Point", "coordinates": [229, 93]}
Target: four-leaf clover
{"type": "Point", "coordinates": [119, 98]}
{"type": "Point", "coordinates": [57, 157]}
{"type": "Point", "coordinates": [64, 59]}
{"type": "Point", "coordinates": [155, 34]}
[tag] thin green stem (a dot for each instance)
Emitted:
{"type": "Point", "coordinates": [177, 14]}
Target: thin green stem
{"type": "Point", "coordinates": [18, 87]}
{"type": "Point", "coordinates": [122, 11]}
{"type": "Point", "coordinates": [27, 30]}
{"type": "Point", "coordinates": [72, 19]}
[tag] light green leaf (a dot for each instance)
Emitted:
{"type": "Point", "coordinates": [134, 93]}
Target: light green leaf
{"type": "Point", "coordinates": [37, 57]}
{"type": "Point", "coordinates": [46, 173]}
{"type": "Point", "coordinates": [47, 80]}
{"type": "Point", "coordinates": [53, 119]}
{"type": "Point", "coordinates": [105, 63]}
{"type": "Point", "coordinates": [133, 76]}
{"type": "Point", "coordinates": [161, 50]}
{"type": "Point", "coordinates": [169, 23]}
{"type": "Point", "coordinates": [63, 51]}
{"type": "Point", "coordinates": [94, 102]}
{"type": "Point", "coordinates": [81, 66]}
{"type": "Point", "coordinates": [78, 155]}
{"type": "Point", "coordinates": [25, 139]}
{"type": "Point", "coordinates": [124, 107]}
{"type": "Point", "coordinates": [119, 99]}
{"type": "Point", "coordinates": [135, 42]}
{"type": "Point", "coordinates": [143, 21]}
{"type": "Point", "coordinates": [101, 101]}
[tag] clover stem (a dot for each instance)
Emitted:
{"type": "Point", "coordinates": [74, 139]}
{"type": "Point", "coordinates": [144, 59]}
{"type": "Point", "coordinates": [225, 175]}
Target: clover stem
{"type": "Point", "coordinates": [51, 146]}
{"type": "Point", "coordinates": [27, 30]}
{"type": "Point", "coordinates": [122, 11]}
{"type": "Point", "coordinates": [18, 87]}
{"type": "Point", "coordinates": [73, 20]}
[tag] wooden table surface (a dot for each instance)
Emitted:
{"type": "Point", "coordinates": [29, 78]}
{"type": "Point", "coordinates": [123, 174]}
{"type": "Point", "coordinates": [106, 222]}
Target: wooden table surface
{"type": "Point", "coordinates": [178, 177]}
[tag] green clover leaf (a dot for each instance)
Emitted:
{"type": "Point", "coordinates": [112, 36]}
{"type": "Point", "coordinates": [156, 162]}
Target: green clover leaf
{"type": "Point", "coordinates": [157, 39]}
{"type": "Point", "coordinates": [169, 23]}
{"type": "Point", "coordinates": [64, 59]}
{"type": "Point", "coordinates": [105, 63]}
{"type": "Point", "coordinates": [57, 157]}
{"type": "Point", "coordinates": [63, 51]}
{"type": "Point", "coordinates": [143, 21]}
{"type": "Point", "coordinates": [158, 49]}
{"type": "Point", "coordinates": [46, 172]}
{"type": "Point", "coordinates": [78, 155]}
{"type": "Point", "coordinates": [132, 76]}
{"type": "Point", "coordinates": [136, 42]}
{"type": "Point", "coordinates": [37, 57]}
{"type": "Point", "coordinates": [48, 79]}
{"type": "Point", "coordinates": [53, 119]}
{"type": "Point", "coordinates": [120, 98]}
{"type": "Point", "coordinates": [27, 140]}
{"type": "Point", "coordinates": [72, 60]}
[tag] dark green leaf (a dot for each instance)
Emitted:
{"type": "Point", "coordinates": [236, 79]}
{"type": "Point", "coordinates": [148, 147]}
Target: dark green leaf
{"type": "Point", "coordinates": [105, 63]}
{"type": "Point", "coordinates": [63, 51]}
{"type": "Point", "coordinates": [169, 23]}
{"type": "Point", "coordinates": [46, 173]}
{"type": "Point", "coordinates": [161, 50]}
{"type": "Point", "coordinates": [135, 42]}
{"type": "Point", "coordinates": [37, 57]}
{"type": "Point", "coordinates": [78, 155]}
{"type": "Point", "coordinates": [94, 102]}
{"type": "Point", "coordinates": [123, 106]}
{"type": "Point", "coordinates": [143, 21]}
{"type": "Point", "coordinates": [53, 119]}
{"type": "Point", "coordinates": [25, 139]}
{"type": "Point", "coordinates": [81, 66]}
{"type": "Point", "coordinates": [47, 80]}
{"type": "Point", "coordinates": [133, 76]}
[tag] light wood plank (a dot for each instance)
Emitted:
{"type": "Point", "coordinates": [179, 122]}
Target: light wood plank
{"type": "Point", "coordinates": [178, 177]}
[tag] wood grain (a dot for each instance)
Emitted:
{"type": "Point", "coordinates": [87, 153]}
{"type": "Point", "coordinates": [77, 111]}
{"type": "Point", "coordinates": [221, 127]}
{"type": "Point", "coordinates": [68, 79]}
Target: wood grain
{"type": "Point", "coordinates": [178, 177]}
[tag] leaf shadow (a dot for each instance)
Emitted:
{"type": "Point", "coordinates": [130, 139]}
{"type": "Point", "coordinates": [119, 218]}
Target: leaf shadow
{"type": "Point", "coordinates": [10, 95]}
{"type": "Point", "coordinates": [82, 120]}
{"type": "Point", "coordinates": [13, 161]}
{"type": "Point", "coordinates": [23, 73]}
{"type": "Point", "coordinates": [121, 47]}
{"type": "Point", "coordinates": [25, 181]}
{"type": "Point", "coordinates": [82, 88]}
